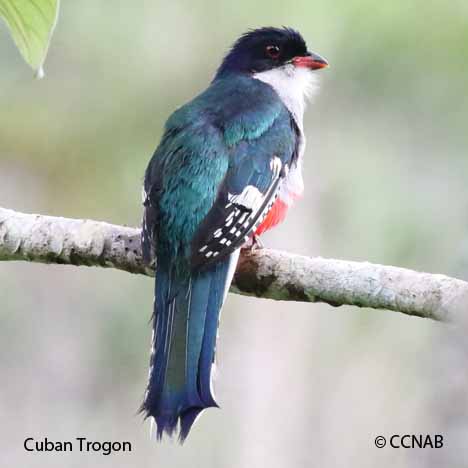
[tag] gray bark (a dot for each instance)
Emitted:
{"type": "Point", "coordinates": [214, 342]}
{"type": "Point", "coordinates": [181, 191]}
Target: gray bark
{"type": "Point", "coordinates": [262, 273]}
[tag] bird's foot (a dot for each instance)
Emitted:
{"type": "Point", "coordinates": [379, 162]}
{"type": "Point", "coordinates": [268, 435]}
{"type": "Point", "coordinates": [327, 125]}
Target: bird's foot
{"type": "Point", "coordinates": [257, 244]}
{"type": "Point", "coordinates": [253, 244]}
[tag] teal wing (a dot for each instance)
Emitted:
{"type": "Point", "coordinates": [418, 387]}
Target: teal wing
{"type": "Point", "coordinates": [256, 170]}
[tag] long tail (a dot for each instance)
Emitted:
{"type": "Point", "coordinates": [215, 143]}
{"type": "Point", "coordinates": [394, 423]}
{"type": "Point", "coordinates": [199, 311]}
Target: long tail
{"type": "Point", "coordinates": [185, 324]}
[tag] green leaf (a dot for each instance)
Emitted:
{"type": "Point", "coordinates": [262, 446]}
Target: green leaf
{"type": "Point", "coordinates": [31, 23]}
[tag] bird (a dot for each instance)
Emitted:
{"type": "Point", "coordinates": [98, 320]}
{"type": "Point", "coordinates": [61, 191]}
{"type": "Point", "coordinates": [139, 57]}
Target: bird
{"type": "Point", "coordinates": [227, 169]}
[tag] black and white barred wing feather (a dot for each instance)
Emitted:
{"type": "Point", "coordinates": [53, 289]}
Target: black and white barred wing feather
{"type": "Point", "coordinates": [237, 213]}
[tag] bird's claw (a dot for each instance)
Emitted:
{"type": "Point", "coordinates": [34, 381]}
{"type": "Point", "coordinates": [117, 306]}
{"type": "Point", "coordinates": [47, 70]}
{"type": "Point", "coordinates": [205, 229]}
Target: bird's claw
{"type": "Point", "coordinates": [253, 244]}
{"type": "Point", "coordinates": [257, 244]}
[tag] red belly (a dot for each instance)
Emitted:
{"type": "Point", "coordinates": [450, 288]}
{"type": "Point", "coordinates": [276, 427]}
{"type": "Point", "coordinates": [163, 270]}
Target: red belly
{"type": "Point", "coordinates": [275, 216]}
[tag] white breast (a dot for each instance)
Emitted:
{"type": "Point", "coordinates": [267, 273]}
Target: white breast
{"type": "Point", "coordinates": [294, 85]}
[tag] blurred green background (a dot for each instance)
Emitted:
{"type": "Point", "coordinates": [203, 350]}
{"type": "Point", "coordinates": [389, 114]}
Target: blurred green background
{"type": "Point", "coordinates": [386, 181]}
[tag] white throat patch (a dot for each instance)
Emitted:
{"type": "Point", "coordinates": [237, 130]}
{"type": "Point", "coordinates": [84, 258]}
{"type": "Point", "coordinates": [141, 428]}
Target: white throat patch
{"type": "Point", "coordinates": [293, 85]}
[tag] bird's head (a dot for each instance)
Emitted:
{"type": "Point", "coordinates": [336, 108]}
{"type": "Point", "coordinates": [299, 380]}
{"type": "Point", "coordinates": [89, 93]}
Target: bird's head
{"type": "Point", "coordinates": [268, 49]}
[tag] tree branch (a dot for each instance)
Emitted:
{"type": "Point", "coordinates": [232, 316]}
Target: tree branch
{"type": "Point", "coordinates": [264, 273]}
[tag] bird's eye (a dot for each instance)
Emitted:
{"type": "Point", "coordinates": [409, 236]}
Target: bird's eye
{"type": "Point", "coordinates": [273, 51]}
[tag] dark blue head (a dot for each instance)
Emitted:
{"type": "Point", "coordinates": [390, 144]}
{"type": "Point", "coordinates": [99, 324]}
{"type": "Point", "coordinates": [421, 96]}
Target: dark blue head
{"type": "Point", "coordinates": [268, 48]}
